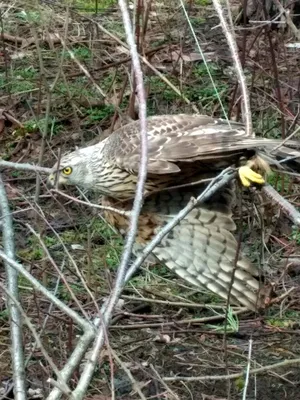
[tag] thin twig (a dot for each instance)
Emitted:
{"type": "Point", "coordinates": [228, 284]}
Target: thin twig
{"type": "Point", "coordinates": [204, 61]}
{"type": "Point", "coordinates": [238, 67]}
{"type": "Point", "coordinates": [59, 272]}
{"type": "Point", "coordinates": [12, 291]}
{"type": "Point", "coordinates": [93, 205]}
{"type": "Point", "coordinates": [85, 325]}
{"type": "Point", "coordinates": [129, 374]}
{"type": "Point", "coordinates": [232, 376]}
{"type": "Point", "coordinates": [176, 303]}
{"type": "Point", "coordinates": [147, 63]}
{"type": "Point", "coordinates": [175, 396]}
{"type": "Point", "coordinates": [285, 140]}
{"type": "Point", "coordinates": [84, 340]}
{"type": "Point", "coordinates": [44, 128]}
{"type": "Point", "coordinates": [188, 321]}
{"type": "Point", "coordinates": [291, 212]}
{"type": "Point", "coordinates": [248, 370]}
{"type": "Point", "coordinates": [24, 167]}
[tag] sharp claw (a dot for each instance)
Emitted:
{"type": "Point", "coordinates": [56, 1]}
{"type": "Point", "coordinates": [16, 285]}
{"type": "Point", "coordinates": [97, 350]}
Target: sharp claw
{"type": "Point", "coordinates": [248, 176]}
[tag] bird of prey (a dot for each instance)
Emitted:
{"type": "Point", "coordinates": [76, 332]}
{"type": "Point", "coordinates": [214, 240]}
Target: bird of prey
{"type": "Point", "coordinates": [183, 152]}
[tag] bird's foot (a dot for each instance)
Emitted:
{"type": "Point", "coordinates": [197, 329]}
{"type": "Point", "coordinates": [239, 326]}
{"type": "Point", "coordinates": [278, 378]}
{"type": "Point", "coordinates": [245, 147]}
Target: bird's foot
{"type": "Point", "coordinates": [248, 176]}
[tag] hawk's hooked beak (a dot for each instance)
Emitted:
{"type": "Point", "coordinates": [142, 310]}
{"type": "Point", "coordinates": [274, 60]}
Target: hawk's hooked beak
{"type": "Point", "coordinates": [55, 179]}
{"type": "Point", "coordinates": [51, 180]}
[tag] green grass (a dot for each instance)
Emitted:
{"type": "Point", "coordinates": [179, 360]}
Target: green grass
{"type": "Point", "coordinates": [64, 294]}
{"type": "Point", "coordinates": [112, 247]}
{"type": "Point", "coordinates": [161, 95]}
{"type": "Point", "coordinates": [82, 53]}
{"type": "Point", "coordinates": [202, 91]}
{"type": "Point", "coordinates": [4, 315]}
{"type": "Point", "coordinates": [30, 16]}
{"type": "Point", "coordinates": [115, 26]}
{"type": "Point", "coordinates": [295, 235]}
{"type": "Point", "coordinates": [267, 124]}
{"type": "Point", "coordinates": [90, 5]}
{"type": "Point", "coordinates": [99, 113]}
{"type": "Point", "coordinates": [25, 73]}
{"type": "Point", "coordinates": [197, 22]}
{"type": "Point", "coordinates": [281, 183]}
{"type": "Point", "coordinates": [32, 126]}
{"type": "Point", "coordinates": [20, 80]}
{"type": "Point", "coordinates": [80, 87]}
{"type": "Point", "coordinates": [232, 324]}
{"type": "Point", "coordinates": [203, 2]}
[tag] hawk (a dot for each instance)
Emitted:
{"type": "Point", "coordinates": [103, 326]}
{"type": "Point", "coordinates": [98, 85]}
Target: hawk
{"type": "Point", "coordinates": [184, 151]}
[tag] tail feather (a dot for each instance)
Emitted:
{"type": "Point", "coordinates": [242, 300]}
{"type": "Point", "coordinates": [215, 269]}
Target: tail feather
{"type": "Point", "coordinates": [281, 157]}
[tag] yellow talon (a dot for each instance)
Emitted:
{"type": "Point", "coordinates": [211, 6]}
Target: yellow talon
{"type": "Point", "coordinates": [248, 176]}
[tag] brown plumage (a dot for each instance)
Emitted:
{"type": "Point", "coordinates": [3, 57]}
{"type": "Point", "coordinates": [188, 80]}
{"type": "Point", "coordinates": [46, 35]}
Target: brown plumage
{"type": "Point", "coordinates": [183, 149]}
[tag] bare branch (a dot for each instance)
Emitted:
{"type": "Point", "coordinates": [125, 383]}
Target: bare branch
{"type": "Point", "coordinates": [24, 167]}
{"type": "Point", "coordinates": [12, 291]}
{"type": "Point", "coordinates": [232, 376]}
{"type": "Point", "coordinates": [291, 212]}
{"type": "Point", "coordinates": [98, 206]}
{"type": "Point", "coordinates": [129, 374]}
{"type": "Point", "coordinates": [71, 313]}
{"type": "Point", "coordinates": [248, 370]}
{"type": "Point", "coordinates": [237, 65]}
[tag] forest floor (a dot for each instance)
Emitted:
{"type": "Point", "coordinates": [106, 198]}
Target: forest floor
{"type": "Point", "coordinates": [50, 104]}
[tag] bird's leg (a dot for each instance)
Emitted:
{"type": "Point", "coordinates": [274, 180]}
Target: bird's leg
{"type": "Point", "coordinates": [247, 174]}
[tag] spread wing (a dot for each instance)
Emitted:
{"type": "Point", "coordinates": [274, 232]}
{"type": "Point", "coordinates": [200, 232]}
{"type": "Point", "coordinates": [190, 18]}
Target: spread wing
{"type": "Point", "coordinates": [177, 138]}
{"type": "Point", "coordinates": [202, 249]}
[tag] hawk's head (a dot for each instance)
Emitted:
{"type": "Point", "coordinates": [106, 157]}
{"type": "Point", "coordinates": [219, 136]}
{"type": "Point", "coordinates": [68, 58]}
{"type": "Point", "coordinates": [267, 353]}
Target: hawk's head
{"type": "Point", "coordinates": [80, 168]}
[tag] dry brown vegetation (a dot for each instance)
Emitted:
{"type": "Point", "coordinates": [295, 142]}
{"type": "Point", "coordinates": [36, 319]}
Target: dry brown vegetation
{"type": "Point", "coordinates": [66, 81]}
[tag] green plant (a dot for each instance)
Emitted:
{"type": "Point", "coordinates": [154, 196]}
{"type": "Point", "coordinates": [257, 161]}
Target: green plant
{"type": "Point", "coordinates": [4, 315]}
{"type": "Point", "coordinates": [64, 293]}
{"type": "Point", "coordinates": [232, 324]}
{"type": "Point", "coordinates": [281, 183]}
{"type": "Point", "coordinates": [295, 235]}
{"type": "Point", "coordinates": [76, 88]}
{"type": "Point", "coordinates": [82, 53]}
{"type": "Point", "coordinates": [100, 112]}
{"type": "Point", "coordinates": [202, 2]}
{"type": "Point", "coordinates": [197, 22]}
{"type": "Point", "coordinates": [25, 73]}
{"type": "Point", "coordinates": [29, 16]}
{"type": "Point", "coordinates": [90, 5]}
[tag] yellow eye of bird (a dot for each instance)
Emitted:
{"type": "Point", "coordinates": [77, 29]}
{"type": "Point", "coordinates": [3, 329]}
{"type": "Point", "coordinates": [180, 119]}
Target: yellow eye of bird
{"type": "Point", "coordinates": [67, 170]}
